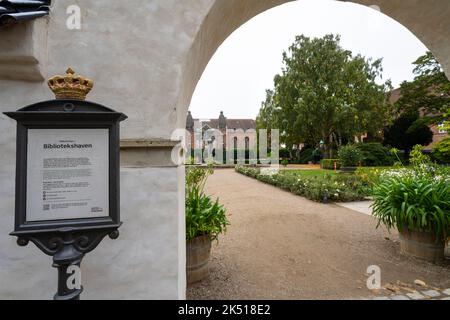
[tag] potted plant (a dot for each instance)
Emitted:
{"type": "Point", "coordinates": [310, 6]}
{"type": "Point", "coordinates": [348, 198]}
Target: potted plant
{"type": "Point", "coordinates": [349, 158]}
{"type": "Point", "coordinates": [417, 203]}
{"type": "Point", "coordinates": [205, 220]}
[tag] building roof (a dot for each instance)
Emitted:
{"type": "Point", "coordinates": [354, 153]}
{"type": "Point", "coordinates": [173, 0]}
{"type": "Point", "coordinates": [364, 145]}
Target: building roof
{"type": "Point", "coordinates": [14, 11]}
{"type": "Point", "coordinates": [244, 124]}
{"type": "Point", "coordinates": [395, 95]}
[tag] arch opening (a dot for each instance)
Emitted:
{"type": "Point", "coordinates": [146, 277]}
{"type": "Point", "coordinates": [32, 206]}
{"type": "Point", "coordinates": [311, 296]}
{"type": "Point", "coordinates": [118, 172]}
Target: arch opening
{"type": "Point", "coordinates": [226, 16]}
{"type": "Point", "coordinates": [207, 42]}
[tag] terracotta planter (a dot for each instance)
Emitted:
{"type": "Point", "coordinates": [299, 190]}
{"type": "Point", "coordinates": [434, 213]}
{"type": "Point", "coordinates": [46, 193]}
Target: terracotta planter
{"type": "Point", "coordinates": [422, 245]}
{"type": "Point", "coordinates": [198, 252]}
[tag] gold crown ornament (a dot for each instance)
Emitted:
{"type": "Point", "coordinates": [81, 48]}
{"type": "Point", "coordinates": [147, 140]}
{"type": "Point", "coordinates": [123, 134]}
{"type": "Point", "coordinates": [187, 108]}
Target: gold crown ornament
{"type": "Point", "coordinates": [70, 86]}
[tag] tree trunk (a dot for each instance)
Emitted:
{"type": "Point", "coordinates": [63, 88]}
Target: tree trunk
{"type": "Point", "coordinates": [331, 146]}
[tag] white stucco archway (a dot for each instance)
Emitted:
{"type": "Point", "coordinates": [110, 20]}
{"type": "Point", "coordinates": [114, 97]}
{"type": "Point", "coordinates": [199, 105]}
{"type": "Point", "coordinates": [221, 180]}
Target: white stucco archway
{"type": "Point", "coordinates": [427, 20]}
{"type": "Point", "coordinates": [146, 58]}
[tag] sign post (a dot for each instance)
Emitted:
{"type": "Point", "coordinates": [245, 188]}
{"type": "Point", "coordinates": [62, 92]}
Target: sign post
{"type": "Point", "coordinates": [67, 177]}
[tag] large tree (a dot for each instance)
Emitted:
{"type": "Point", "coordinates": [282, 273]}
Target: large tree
{"type": "Point", "coordinates": [324, 93]}
{"type": "Point", "coordinates": [428, 94]}
{"type": "Point", "coordinates": [404, 135]}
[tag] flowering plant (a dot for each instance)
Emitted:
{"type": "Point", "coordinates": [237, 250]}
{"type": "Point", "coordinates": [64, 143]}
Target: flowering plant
{"type": "Point", "coordinates": [204, 216]}
{"type": "Point", "coordinates": [337, 188]}
{"type": "Point", "coordinates": [416, 198]}
{"type": "Point", "coordinates": [350, 156]}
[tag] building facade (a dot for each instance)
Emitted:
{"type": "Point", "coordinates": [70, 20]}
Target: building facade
{"type": "Point", "coordinates": [214, 136]}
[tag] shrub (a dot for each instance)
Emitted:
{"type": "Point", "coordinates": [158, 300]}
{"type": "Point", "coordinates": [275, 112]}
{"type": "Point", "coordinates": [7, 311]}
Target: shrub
{"type": "Point", "coordinates": [203, 216]}
{"type": "Point", "coordinates": [328, 164]}
{"type": "Point", "coordinates": [374, 154]}
{"type": "Point", "coordinates": [417, 158]}
{"type": "Point", "coordinates": [407, 131]}
{"type": "Point", "coordinates": [371, 176]}
{"type": "Point", "coordinates": [441, 152]}
{"type": "Point", "coordinates": [349, 156]}
{"type": "Point", "coordinates": [305, 156]}
{"type": "Point", "coordinates": [284, 153]}
{"type": "Point", "coordinates": [317, 155]}
{"type": "Point", "coordinates": [415, 200]}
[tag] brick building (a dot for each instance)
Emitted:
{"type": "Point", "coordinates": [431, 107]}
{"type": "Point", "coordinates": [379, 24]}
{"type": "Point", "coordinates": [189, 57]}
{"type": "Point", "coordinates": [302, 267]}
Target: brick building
{"type": "Point", "coordinates": [221, 133]}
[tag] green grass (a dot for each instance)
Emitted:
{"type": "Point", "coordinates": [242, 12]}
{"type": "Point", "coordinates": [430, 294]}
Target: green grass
{"type": "Point", "coordinates": [322, 172]}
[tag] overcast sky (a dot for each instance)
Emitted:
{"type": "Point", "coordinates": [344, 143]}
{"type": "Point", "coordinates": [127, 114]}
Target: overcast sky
{"type": "Point", "coordinates": [244, 66]}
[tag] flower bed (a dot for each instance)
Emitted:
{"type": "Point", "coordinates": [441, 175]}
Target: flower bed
{"type": "Point", "coordinates": [336, 188]}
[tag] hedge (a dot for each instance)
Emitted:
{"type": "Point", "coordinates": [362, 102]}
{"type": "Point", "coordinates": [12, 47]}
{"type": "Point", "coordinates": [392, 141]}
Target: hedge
{"type": "Point", "coordinates": [328, 164]}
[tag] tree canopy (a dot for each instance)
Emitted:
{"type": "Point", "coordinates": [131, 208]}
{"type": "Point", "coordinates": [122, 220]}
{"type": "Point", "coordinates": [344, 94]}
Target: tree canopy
{"type": "Point", "coordinates": [404, 135]}
{"type": "Point", "coordinates": [429, 93]}
{"type": "Point", "coordinates": [324, 93]}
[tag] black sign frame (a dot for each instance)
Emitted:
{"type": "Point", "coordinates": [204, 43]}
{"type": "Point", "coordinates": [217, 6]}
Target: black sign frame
{"type": "Point", "coordinates": [67, 240]}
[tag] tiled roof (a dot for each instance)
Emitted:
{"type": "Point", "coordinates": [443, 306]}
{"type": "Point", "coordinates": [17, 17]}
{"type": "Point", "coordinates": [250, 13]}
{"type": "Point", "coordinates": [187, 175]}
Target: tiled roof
{"type": "Point", "coordinates": [14, 11]}
{"type": "Point", "coordinates": [244, 124]}
{"type": "Point", "coordinates": [241, 124]}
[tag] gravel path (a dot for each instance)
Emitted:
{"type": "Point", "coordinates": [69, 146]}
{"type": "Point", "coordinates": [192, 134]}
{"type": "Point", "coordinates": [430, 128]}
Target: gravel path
{"type": "Point", "coordinates": [281, 246]}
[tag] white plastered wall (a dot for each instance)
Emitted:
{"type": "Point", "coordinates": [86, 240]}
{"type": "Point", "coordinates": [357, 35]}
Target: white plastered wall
{"type": "Point", "coordinates": [146, 57]}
